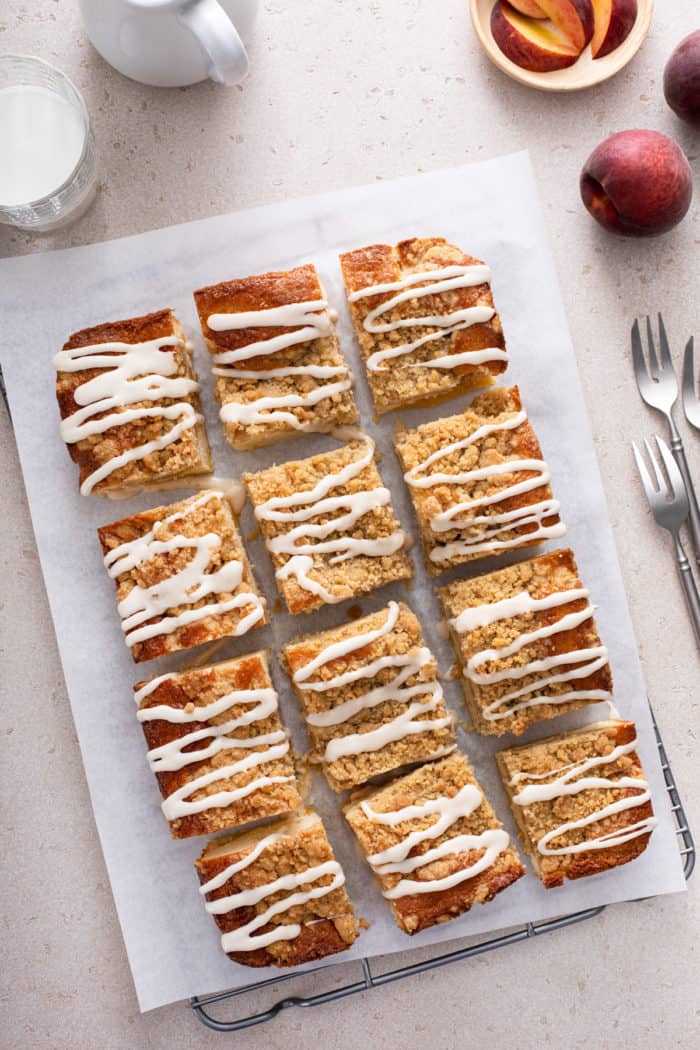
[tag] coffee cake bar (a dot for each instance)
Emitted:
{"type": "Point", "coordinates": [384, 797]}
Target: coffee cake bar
{"type": "Point", "coordinates": [182, 576]}
{"type": "Point", "coordinates": [526, 643]}
{"type": "Point", "coordinates": [370, 695]}
{"type": "Point", "coordinates": [424, 318]}
{"type": "Point", "coordinates": [129, 402]}
{"type": "Point", "coordinates": [478, 482]}
{"type": "Point", "coordinates": [580, 800]}
{"type": "Point", "coordinates": [277, 893]}
{"type": "Point", "coordinates": [329, 526]}
{"type": "Point", "coordinates": [277, 363]}
{"type": "Point", "coordinates": [217, 746]}
{"type": "Point", "coordinates": [434, 843]}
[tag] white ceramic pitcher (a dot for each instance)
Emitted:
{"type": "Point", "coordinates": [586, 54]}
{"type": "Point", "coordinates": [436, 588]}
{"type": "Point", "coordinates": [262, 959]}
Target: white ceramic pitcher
{"type": "Point", "coordinates": [172, 43]}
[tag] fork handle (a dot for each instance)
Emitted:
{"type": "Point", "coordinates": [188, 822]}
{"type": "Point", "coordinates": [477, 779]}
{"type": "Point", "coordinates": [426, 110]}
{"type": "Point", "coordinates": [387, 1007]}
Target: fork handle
{"type": "Point", "coordinates": [693, 509]}
{"type": "Point", "coordinates": [691, 591]}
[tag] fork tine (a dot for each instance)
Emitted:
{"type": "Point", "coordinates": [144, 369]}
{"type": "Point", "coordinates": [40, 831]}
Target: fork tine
{"type": "Point", "coordinates": [661, 485]}
{"type": "Point", "coordinates": [651, 349]}
{"type": "Point", "coordinates": [665, 350]}
{"type": "Point", "coordinates": [689, 391]}
{"type": "Point", "coordinates": [674, 474]}
{"type": "Point", "coordinates": [643, 473]}
{"type": "Point", "coordinates": [638, 359]}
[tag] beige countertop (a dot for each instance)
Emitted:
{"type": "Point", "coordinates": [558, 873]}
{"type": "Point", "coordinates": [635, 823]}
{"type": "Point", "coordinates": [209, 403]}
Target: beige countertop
{"type": "Point", "coordinates": [344, 93]}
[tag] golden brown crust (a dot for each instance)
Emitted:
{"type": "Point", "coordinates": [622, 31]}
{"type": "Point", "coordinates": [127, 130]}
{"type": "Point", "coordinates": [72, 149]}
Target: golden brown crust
{"type": "Point", "coordinates": [415, 446]}
{"type": "Point", "coordinates": [263, 292]}
{"type": "Point", "coordinates": [197, 688]}
{"type": "Point", "coordinates": [346, 579]}
{"type": "Point", "coordinates": [539, 577]}
{"type": "Point", "coordinates": [327, 923]}
{"type": "Point", "coordinates": [437, 779]}
{"type": "Point", "coordinates": [538, 818]}
{"type": "Point", "coordinates": [402, 384]}
{"type": "Point", "coordinates": [188, 454]}
{"type": "Point", "coordinates": [195, 519]}
{"type": "Point", "coordinates": [405, 638]}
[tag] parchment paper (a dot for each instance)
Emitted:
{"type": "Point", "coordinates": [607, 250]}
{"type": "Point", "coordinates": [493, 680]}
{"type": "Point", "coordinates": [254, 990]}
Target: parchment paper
{"type": "Point", "coordinates": [172, 943]}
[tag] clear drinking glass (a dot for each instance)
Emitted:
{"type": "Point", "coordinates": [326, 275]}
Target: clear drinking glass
{"type": "Point", "coordinates": [72, 165]}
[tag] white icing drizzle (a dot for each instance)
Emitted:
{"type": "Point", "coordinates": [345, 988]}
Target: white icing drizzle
{"type": "Point", "coordinates": [179, 804]}
{"type": "Point", "coordinates": [129, 373]}
{"type": "Point", "coordinates": [272, 409]}
{"type": "Point", "coordinates": [407, 723]}
{"type": "Point", "coordinates": [173, 756]}
{"type": "Point", "coordinates": [439, 281]}
{"type": "Point", "coordinates": [188, 585]}
{"type": "Point", "coordinates": [565, 784]}
{"type": "Point", "coordinates": [245, 939]}
{"type": "Point", "coordinates": [312, 320]}
{"type": "Point", "coordinates": [459, 516]}
{"type": "Point", "coordinates": [306, 539]}
{"type": "Point", "coordinates": [447, 810]}
{"type": "Point", "coordinates": [586, 661]}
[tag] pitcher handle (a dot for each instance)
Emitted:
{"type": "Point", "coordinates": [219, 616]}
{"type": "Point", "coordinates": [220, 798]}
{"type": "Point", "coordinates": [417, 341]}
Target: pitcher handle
{"type": "Point", "coordinates": [228, 59]}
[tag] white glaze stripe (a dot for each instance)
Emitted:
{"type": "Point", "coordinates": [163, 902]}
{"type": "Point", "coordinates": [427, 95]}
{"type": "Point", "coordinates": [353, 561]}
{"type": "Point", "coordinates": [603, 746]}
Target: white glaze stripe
{"type": "Point", "coordinates": [409, 722]}
{"type": "Point", "coordinates": [592, 658]}
{"type": "Point", "coordinates": [173, 756]}
{"type": "Point", "coordinates": [244, 938]}
{"type": "Point", "coordinates": [188, 585]}
{"type": "Point", "coordinates": [566, 784]}
{"type": "Point", "coordinates": [396, 859]}
{"type": "Point", "coordinates": [484, 530]}
{"type": "Point", "coordinates": [129, 373]}
{"type": "Point", "coordinates": [311, 321]}
{"type": "Point", "coordinates": [417, 285]}
{"type": "Point", "coordinates": [302, 506]}
{"type": "Point", "coordinates": [338, 650]}
{"type": "Point", "coordinates": [180, 804]}
{"type": "Point", "coordinates": [274, 409]}
{"type": "Point", "coordinates": [219, 880]}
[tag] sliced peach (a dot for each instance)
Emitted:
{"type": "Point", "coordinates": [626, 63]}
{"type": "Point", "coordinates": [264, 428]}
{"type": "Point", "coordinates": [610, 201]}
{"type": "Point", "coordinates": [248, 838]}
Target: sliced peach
{"type": "Point", "coordinates": [574, 18]}
{"type": "Point", "coordinates": [613, 21]}
{"type": "Point", "coordinates": [529, 8]}
{"type": "Point", "coordinates": [530, 44]}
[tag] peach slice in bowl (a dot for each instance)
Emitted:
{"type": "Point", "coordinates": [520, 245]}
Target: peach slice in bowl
{"type": "Point", "coordinates": [531, 43]}
{"type": "Point", "coordinates": [528, 7]}
{"type": "Point", "coordinates": [562, 72]}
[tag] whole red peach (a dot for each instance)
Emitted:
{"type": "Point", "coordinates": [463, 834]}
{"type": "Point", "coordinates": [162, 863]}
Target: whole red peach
{"type": "Point", "coordinates": [637, 183]}
{"type": "Point", "coordinates": [682, 79]}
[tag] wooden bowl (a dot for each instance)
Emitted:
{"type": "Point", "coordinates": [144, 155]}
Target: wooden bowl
{"type": "Point", "coordinates": [585, 71]}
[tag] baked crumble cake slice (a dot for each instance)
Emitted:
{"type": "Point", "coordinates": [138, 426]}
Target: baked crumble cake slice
{"type": "Point", "coordinates": [129, 402]}
{"type": "Point", "coordinates": [526, 643]}
{"type": "Point", "coordinates": [277, 893]}
{"type": "Point", "coordinates": [580, 799]}
{"type": "Point", "coordinates": [434, 843]}
{"type": "Point", "coordinates": [217, 746]}
{"type": "Point", "coordinates": [371, 697]}
{"type": "Point", "coordinates": [182, 576]}
{"type": "Point", "coordinates": [329, 526]}
{"type": "Point", "coordinates": [276, 358]}
{"type": "Point", "coordinates": [425, 321]}
{"type": "Point", "coordinates": [478, 482]}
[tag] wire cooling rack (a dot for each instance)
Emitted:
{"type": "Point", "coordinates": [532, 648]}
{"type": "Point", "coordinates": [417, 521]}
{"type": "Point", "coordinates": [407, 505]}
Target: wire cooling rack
{"type": "Point", "coordinates": [366, 979]}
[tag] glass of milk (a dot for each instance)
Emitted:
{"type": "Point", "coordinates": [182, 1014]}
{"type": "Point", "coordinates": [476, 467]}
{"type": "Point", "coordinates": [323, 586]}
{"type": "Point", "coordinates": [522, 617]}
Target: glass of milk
{"type": "Point", "coordinates": [48, 172]}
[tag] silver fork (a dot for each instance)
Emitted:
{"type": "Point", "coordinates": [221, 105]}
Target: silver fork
{"type": "Point", "coordinates": [691, 402]}
{"type": "Point", "coordinates": [658, 387]}
{"type": "Point", "coordinates": [669, 505]}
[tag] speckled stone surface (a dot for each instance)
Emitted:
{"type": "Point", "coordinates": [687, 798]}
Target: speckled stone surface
{"type": "Point", "coordinates": [343, 93]}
